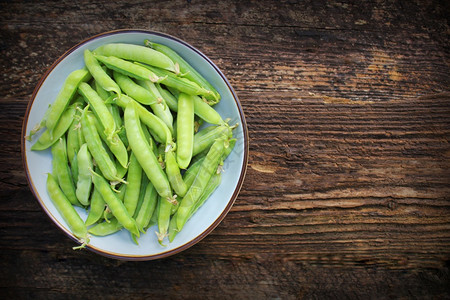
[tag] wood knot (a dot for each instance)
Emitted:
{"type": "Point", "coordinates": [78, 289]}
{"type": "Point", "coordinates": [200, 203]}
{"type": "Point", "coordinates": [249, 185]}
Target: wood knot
{"type": "Point", "coordinates": [392, 205]}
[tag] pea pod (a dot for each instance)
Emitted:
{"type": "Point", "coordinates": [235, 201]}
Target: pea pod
{"type": "Point", "coordinates": [144, 153]}
{"type": "Point", "coordinates": [157, 127]}
{"type": "Point", "coordinates": [136, 53]}
{"type": "Point", "coordinates": [84, 180]}
{"type": "Point", "coordinates": [185, 130]}
{"type": "Point", "coordinates": [160, 109]}
{"type": "Point", "coordinates": [99, 74]}
{"type": "Point", "coordinates": [47, 139]}
{"type": "Point", "coordinates": [148, 207]}
{"type": "Point", "coordinates": [208, 168]}
{"type": "Point", "coordinates": [62, 171]}
{"type": "Point", "coordinates": [182, 84]}
{"type": "Point", "coordinates": [206, 137]}
{"type": "Point", "coordinates": [99, 108]}
{"type": "Point", "coordinates": [212, 185]}
{"type": "Point", "coordinates": [64, 96]}
{"type": "Point", "coordinates": [115, 204]}
{"type": "Point", "coordinates": [127, 68]}
{"type": "Point", "coordinates": [95, 146]}
{"type": "Point", "coordinates": [134, 178]}
{"type": "Point", "coordinates": [96, 208]}
{"type": "Point", "coordinates": [106, 228]}
{"type": "Point", "coordinates": [134, 90]}
{"type": "Point", "coordinates": [67, 211]}
{"type": "Point", "coordinates": [187, 70]}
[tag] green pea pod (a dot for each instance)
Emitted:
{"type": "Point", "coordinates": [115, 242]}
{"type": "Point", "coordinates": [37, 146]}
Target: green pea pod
{"type": "Point", "coordinates": [84, 180]}
{"type": "Point", "coordinates": [64, 96]}
{"type": "Point", "coordinates": [114, 143]}
{"type": "Point", "coordinates": [148, 207]}
{"type": "Point", "coordinates": [212, 185]}
{"type": "Point", "coordinates": [208, 168]}
{"type": "Point", "coordinates": [134, 179]}
{"type": "Point", "coordinates": [62, 171]}
{"type": "Point", "coordinates": [134, 90]}
{"type": "Point", "coordinates": [160, 108]}
{"type": "Point", "coordinates": [106, 228]}
{"type": "Point", "coordinates": [157, 127]}
{"type": "Point", "coordinates": [144, 153]}
{"type": "Point", "coordinates": [47, 139]}
{"type": "Point", "coordinates": [95, 146]}
{"type": "Point", "coordinates": [206, 137]}
{"type": "Point", "coordinates": [67, 211]}
{"type": "Point", "coordinates": [171, 100]}
{"type": "Point", "coordinates": [99, 108]}
{"type": "Point", "coordinates": [127, 68]}
{"type": "Point", "coordinates": [136, 53]}
{"type": "Point", "coordinates": [182, 84]}
{"type": "Point", "coordinates": [73, 143]}
{"type": "Point", "coordinates": [115, 204]}
{"type": "Point", "coordinates": [187, 70]}
{"type": "Point", "coordinates": [185, 130]}
{"type": "Point", "coordinates": [96, 208]}
{"type": "Point", "coordinates": [206, 112]}
{"type": "Point", "coordinates": [174, 174]}
{"type": "Point", "coordinates": [99, 74]}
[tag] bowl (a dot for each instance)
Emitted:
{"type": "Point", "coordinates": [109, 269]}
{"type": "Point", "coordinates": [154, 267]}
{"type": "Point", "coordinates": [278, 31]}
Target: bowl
{"type": "Point", "coordinates": [120, 245]}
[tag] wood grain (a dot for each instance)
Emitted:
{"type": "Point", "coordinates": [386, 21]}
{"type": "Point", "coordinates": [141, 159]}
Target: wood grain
{"type": "Point", "coordinates": [347, 188]}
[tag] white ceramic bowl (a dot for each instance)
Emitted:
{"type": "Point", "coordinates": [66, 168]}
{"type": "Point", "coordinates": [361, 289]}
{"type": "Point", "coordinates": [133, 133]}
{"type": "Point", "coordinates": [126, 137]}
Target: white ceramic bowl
{"type": "Point", "coordinates": [120, 245]}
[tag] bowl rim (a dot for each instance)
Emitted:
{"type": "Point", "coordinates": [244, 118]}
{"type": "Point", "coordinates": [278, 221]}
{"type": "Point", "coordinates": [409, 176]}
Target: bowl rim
{"type": "Point", "coordinates": [213, 225]}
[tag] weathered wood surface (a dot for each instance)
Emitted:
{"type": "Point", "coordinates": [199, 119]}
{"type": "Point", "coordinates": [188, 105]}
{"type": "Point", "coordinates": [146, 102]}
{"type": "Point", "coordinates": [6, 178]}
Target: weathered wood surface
{"type": "Point", "coordinates": [348, 182]}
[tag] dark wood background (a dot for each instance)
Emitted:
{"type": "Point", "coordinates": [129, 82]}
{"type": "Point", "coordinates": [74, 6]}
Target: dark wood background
{"type": "Point", "coordinates": [347, 193]}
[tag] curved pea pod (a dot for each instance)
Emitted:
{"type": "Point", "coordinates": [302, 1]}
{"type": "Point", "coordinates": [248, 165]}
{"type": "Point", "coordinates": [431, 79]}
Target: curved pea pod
{"type": "Point", "coordinates": [136, 53]}
{"type": "Point", "coordinates": [47, 139]}
{"type": "Point", "coordinates": [106, 228]}
{"type": "Point", "coordinates": [208, 168]}
{"type": "Point", "coordinates": [64, 96]}
{"type": "Point", "coordinates": [187, 70]}
{"type": "Point", "coordinates": [99, 74]}
{"type": "Point", "coordinates": [84, 180]}
{"type": "Point", "coordinates": [67, 211]}
{"type": "Point", "coordinates": [62, 171]}
{"type": "Point", "coordinates": [115, 204]}
{"type": "Point", "coordinates": [96, 208]}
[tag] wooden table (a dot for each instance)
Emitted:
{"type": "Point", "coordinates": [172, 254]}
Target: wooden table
{"type": "Point", "coordinates": [347, 188]}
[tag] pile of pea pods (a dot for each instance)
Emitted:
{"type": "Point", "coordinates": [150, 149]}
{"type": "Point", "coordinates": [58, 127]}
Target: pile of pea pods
{"type": "Point", "coordinates": [127, 142]}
